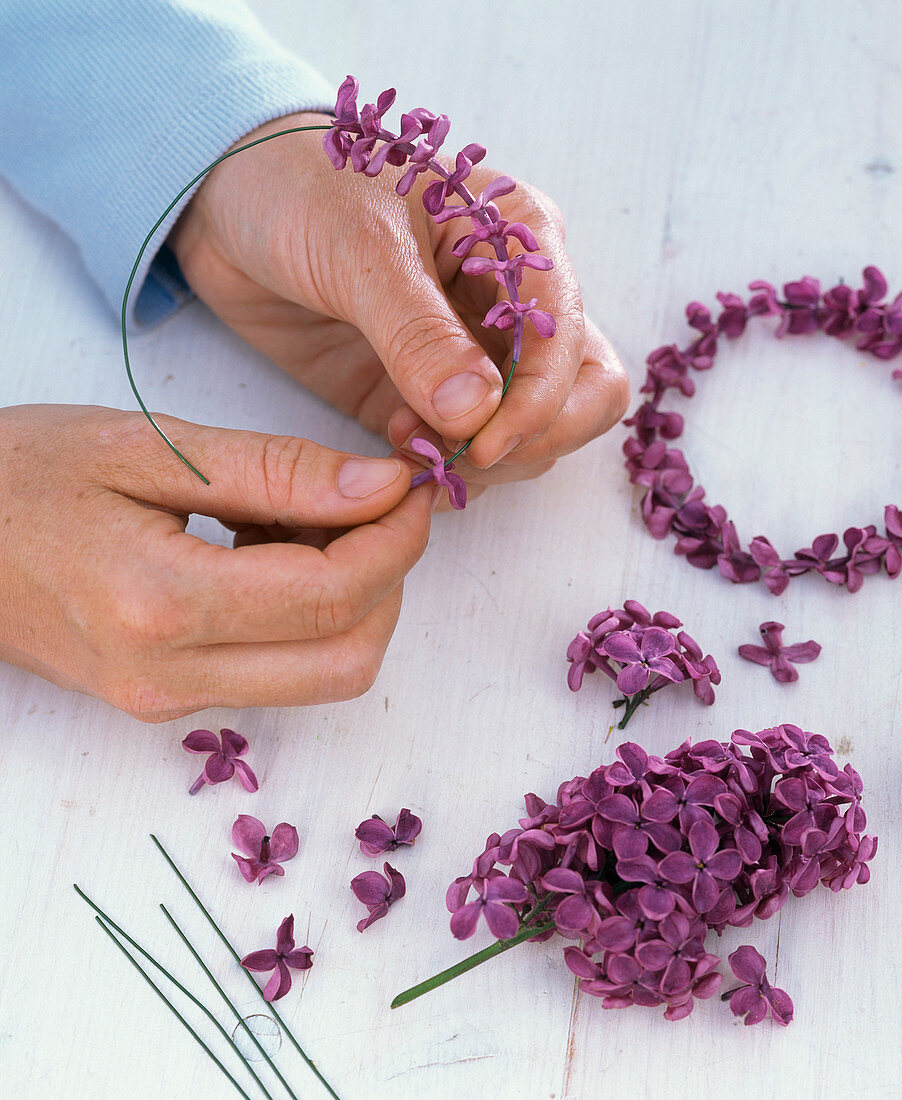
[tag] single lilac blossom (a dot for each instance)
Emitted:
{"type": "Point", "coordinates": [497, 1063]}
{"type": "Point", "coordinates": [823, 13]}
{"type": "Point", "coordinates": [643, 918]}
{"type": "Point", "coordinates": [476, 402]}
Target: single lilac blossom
{"type": "Point", "coordinates": [377, 836]}
{"type": "Point", "coordinates": [496, 895]}
{"type": "Point", "coordinates": [440, 472]}
{"type": "Point", "coordinates": [753, 999]}
{"type": "Point", "coordinates": [378, 893]}
{"type": "Point", "coordinates": [263, 853]}
{"type": "Point", "coordinates": [642, 659]}
{"type": "Point", "coordinates": [284, 956]}
{"type": "Point", "coordinates": [779, 657]}
{"type": "Point", "coordinates": [223, 762]}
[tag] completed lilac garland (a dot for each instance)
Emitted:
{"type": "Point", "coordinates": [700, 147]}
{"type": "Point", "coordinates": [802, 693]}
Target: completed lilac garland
{"type": "Point", "coordinates": [673, 502]}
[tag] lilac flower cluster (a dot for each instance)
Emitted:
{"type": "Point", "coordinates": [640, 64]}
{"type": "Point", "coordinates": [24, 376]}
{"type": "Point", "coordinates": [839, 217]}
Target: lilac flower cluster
{"type": "Point", "coordinates": [673, 503]}
{"type": "Point", "coordinates": [641, 653]}
{"type": "Point", "coordinates": [359, 136]}
{"type": "Point", "coordinates": [639, 860]}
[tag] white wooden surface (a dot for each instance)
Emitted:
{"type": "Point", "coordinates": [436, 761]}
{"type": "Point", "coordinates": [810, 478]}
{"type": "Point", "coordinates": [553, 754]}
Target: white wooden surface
{"type": "Point", "coordinates": [693, 147]}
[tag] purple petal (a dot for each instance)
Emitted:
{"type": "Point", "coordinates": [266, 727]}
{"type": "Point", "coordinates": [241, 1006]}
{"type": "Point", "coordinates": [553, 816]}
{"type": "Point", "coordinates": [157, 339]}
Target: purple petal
{"type": "Point", "coordinates": [263, 960]}
{"type": "Point", "coordinates": [375, 836]}
{"type": "Point", "coordinates": [426, 449]}
{"type": "Point", "coordinates": [632, 679]}
{"type": "Point", "coordinates": [747, 964]}
{"type": "Point", "coordinates": [247, 834]}
{"type": "Point", "coordinates": [218, 769]}
{"type": "Point", "coordinates": [283, 842]}
{"type": "Point", "coordinates": [285, 936]}
{"type": "Point", "coordinates": [377, 913]}
{"type": "Point", "coordinates": [464, 921]}
{"type": "Point", "coordinates": [300, 959]}
{"type": "Point", "coordinates": [503, 922]}
{"type": "Point", "coordinates": [622, 647]}
{"type": "Point", "coordinates": [201, 741]}
{"type": "Point", "coordinates": [233, 744]}
{"type": "Point", "coordinates": [802, 652]}
{"type": "Point", "coordinates": [370, 887]}
{"type": "Point", "coordinates": [407, 827]}
{"type": "Point", "coordinates": [249, 868]}
{"type": "Point", "coordinates": [397, 887]}
{"type": "Point", "coordinates": [246, 777]}
{"type": "Point", "coordinates": [279, 984]}
{"type": "Point", "coordinates": [656, 642]}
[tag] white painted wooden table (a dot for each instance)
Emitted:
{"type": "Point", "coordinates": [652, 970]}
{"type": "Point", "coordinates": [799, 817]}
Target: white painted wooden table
{"type": "Point", "coordinates": [693, 147]}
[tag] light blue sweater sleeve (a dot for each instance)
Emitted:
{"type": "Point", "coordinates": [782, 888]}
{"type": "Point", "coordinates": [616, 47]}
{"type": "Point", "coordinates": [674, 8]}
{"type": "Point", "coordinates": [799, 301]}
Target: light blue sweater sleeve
{"type": "Point", "coordinates": [109, 107]}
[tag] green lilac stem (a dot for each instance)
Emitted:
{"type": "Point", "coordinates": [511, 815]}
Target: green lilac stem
{"type": "Point", "coordinates": [134, 271]}
{"type": "Point", "coordinates": [270, 1007]}
{"type": "Point", "coordinates": [187, 992]}
{"type": "Point", "coordinates": [496, 948]}
{"type": "Point", "coordinates": [460, 450]}
{"type": "Point", "coordinates": [222, 993]}
{"type": "Point", "coordinates": [171, 1006]}
{"type": "Point", "coordinates": [632, 704]}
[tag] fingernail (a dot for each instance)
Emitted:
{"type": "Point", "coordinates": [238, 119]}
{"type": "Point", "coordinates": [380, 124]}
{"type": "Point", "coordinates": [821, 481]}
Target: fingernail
{"type": "Point", "coordinates": [459, 394]}
{"type": "Point", "coordinates": [361, 477]}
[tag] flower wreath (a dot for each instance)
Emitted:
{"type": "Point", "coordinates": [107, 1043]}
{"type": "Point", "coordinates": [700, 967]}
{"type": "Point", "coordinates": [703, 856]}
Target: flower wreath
{"type": "Point", "coordinates": [673, 502]}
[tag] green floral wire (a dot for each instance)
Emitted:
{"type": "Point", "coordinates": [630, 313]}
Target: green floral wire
{"type": "Point", "coordinates": [134, 271]}
{"type": "Point", "coordinates": [108, 920]}
{"type": "Point", "coordinates": [269, 1006]}
{"type": "Point", "coordinates": [169, 1003]}
{"type": "Point", "coordinates": [228, 1002]}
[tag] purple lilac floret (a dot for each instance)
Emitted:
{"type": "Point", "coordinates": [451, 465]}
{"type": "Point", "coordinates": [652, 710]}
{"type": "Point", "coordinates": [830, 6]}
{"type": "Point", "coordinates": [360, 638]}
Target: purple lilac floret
{"type": "Point", "coordinates": [778, 657]}
{"type": "Point", "coordinates": [285, 956]}
{"type": "Point", "coordinates": [674, 504]}
{"type": "Point", "coordinates": [642, 653]}
{"type": "Point", "coordinates": [360, 137]}
{"type": "Point", "coordinates": [377, 836]}
{"type": "Point", "coordinates": [264, 853]}
{"type": "Point", "coordinates": [439, 471]}
{"type": "Point", "coordinates": [378, 893]}
{"type": "Point", "coordinates": [757, 996]}
{"type": "Point", "coordinates": [637, 862]}
{"type": "Point", "coordinates": [223, 761]}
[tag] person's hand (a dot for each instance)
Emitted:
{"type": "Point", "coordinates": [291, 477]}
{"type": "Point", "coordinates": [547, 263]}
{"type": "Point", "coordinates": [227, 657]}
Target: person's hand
{"type": "Point", "coordinates": [355, 291]}
{"type": "Point", "coordinates": [103, 591]}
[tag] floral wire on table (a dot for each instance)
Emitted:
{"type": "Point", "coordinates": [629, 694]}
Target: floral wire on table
{"type": "Point", "coordinates": [639, 860]}
{"type": "Point", "coordinates": [674, 503]}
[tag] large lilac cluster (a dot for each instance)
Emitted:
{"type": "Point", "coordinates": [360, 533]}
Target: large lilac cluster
{"type": "Point", "coordinates": [673, 503]}
{"type": "Point", "coordinates": [641, 858]}
{"type": "Point", "coordinates": [359, 136]}
{"type": "Point", "coordinates": [640, 652]}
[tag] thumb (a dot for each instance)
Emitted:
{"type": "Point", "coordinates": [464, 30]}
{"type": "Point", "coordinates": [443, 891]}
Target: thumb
{"type": "Point", "coordinates": [432, 358]}
{"type": "Point", "coordinates": [254, 478]}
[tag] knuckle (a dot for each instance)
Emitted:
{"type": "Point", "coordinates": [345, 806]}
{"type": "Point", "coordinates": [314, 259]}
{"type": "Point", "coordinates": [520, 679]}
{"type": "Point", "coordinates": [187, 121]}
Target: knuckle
{"type": "Point", "coordinates": [284, 466]}
{"type": "Point", "coordinates": [419, 341]}
{"type": "Point", "coordinates": [359, 671]}
{"type": "Point", "coordinates": [335, 609]}
{"type": "Point", "coordinates": [144, 700]}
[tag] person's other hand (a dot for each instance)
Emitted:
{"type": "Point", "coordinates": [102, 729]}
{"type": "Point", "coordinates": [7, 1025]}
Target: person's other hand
{"type": "Point", "coordinates": [104, 592]}
{"type": "Point", "coordinates": [355, 292]}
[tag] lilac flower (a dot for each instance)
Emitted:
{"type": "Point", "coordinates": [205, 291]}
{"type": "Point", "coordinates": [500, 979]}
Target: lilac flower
{"type": "Point", "coordinates": [753, 999]}
{"type": "Point", "coordinates": [378, 893]}
{"type": "Point", "coordinates": [284, 956]}
{"type": "Point", "coordinates": [440, 471]}
{"type": "Point", "coordinates": [503, 315]}
{"type": "Point", "coordinates": [778, 656]}
{"type": "Point", "coordinates": [376, 836]}
{"type": "Point", "coordinates": [496, 895]}
{"type": "Point", "coordinates": [265, 853]}
{"type": "Point", "coordinates": [640, 661]}
{"type": "Point", "coordinates": [223, 762]}
{"type": "Point", "coordinates": [726, 833]}
{"type": "Point", "coordinates": [706, 868]}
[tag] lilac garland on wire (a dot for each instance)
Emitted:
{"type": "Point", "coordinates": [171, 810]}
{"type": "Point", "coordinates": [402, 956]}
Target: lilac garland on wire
{"type": "Point", "coordinates": [354, 136]}
{"type": "Point", "coordinates": [674, 503]}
